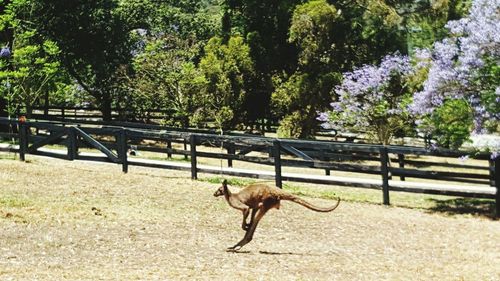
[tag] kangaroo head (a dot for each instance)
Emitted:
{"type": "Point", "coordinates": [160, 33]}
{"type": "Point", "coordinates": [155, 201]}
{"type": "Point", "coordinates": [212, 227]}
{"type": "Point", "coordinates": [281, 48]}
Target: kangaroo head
{"type": "Point", "coordinates": [221, 190]}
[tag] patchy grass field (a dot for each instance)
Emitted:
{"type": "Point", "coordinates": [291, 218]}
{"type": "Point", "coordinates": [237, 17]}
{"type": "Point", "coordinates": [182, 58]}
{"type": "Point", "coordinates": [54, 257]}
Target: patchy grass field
{"type": "Point", "coordinates": [62, 220]}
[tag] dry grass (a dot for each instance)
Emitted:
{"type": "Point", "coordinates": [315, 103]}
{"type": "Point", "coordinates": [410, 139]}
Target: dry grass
{"type": "Point", "coordinates": [88, 221]}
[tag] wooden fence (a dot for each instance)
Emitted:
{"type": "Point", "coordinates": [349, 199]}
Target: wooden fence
{"type": "Point", "coordinates": [82, 113]}
{"type": "Point", "coordinates": [92, 115]}
{"type": "Point", "coordinates": [386, 168]}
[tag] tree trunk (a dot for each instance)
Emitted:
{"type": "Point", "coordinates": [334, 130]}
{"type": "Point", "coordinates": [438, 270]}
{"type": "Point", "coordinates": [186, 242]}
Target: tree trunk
{"type": "Point", "coordinates": [46, 105]}
{"type": "Point", "coordinates": [106, 107]}
{"type": "Point", "coordinates": [29, 110]}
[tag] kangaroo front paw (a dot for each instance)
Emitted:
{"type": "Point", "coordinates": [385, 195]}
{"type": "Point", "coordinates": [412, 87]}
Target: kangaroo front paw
{"type": "Point", "coordinates": [246, 226]}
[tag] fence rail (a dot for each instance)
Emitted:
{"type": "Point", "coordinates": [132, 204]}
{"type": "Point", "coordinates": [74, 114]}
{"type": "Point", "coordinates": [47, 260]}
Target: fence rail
{"type": "Point", "coordinates": [392, 164]}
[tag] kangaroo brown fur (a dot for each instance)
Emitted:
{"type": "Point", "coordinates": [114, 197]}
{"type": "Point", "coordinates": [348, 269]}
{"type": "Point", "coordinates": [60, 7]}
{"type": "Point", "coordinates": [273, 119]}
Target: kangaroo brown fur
{"type": "Point", "coordinates": [260, 198]}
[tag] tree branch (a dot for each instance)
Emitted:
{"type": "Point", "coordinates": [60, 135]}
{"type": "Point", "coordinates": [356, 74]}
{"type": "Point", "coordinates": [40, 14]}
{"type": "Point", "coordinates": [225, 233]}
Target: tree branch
{"type": "Point", "coordinates": [79, 79]}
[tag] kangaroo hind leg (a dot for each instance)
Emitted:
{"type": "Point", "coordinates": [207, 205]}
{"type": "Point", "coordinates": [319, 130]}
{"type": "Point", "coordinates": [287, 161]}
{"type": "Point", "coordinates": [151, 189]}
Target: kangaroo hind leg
{"type": "Point", "coordinates": [250, 231]}
{"type": "Point", "coordinates": [244, 224]}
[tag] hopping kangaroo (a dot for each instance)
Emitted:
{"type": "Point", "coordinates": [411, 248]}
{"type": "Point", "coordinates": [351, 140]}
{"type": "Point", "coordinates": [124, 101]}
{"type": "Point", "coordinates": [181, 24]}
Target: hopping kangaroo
{"type": "Point", "coordinates": [260, 198]}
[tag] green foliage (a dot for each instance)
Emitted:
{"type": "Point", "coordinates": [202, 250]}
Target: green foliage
{"type": "Point", "coordinates": [290, 126]}
{"type": "Point", "coordinates": [265, 27]}
{"type": "Point", "coordinates": [312, 23]}
{"type": "Point", "coordinates": [424, 22]}
{"type": "Point", "coordinates": [380, 18]}
{"type": "Point", "coordinates": [164, 78]}
{"type": "Point", "coordinates": [298, 99]}
{"type": "Point", "coordinates": [488, 80]}
{"type": "Point", "coordinates": [184, 19]}
{"type": "Point", "coordinates": [299, 96]}
{"type": "Point", "coordinates": [226, 68]}
{"type": "Point", "coordinates": [33, 67]}
{"type": "Point", "coordinates": [94, 40]}
{"type": "Point", "coordinates": [451, 124]}
{"type": "Point", "coordinates": [168, 40]}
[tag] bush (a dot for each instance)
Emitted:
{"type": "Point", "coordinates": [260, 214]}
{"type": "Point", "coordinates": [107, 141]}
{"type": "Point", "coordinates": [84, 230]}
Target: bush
{"type": "Point", "coordinates": [451, 124]}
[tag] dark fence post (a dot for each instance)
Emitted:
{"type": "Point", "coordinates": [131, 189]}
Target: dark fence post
{"type": "Point", "coordinates": [491, 169]}
{"type": "Point", "coordinates": [401, 160]}
{"type": "Point", "coordinates": [23, 140]}
{"type": "Point", "coordinates": [327, 171]}
{"type": "Point", "coordinates": [194, 169]}
{"type": "Point", "coordinates": [72, 144]}
{"type": "Point", "coordinates": [185, 148]}
{"type": "Point", "coordinates": [384, 170]}
{"type": "Point", "coordinates": [230, 150]}
{"type": "Point", "coordinates": [497, 185]}
{"type": "Point", "coordinates": [277, 163]}
{"type": "Point", "coordinates": [169, 147]}
{"type": "Point", "coordinates": [122, 149]}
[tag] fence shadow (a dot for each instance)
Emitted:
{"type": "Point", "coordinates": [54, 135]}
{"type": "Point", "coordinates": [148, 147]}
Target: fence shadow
{"type": "Point", "coordinates": [475, 207]}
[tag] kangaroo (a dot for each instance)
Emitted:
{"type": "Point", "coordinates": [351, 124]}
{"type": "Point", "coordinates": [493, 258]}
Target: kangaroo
{"type": "Point", "coordinates": [260, 198]}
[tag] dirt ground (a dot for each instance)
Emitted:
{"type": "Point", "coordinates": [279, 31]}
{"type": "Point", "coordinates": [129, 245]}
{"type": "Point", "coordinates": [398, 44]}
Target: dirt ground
{"type": "Point", "coordinates": [62, 220]}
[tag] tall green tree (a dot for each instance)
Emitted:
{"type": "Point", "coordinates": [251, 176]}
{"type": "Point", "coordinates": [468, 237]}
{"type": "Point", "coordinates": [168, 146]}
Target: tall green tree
{"type": "Point", "coordinates": [168, 45]}
{"type": "Point", "coordinates": [94, 39]}
{"type": "Point", "coordinates": [227, 68]}
{"type": "Point", "coordinates": [31, 69]}
{"type": "Point", "coordinates": [165, 78]}
{"type": "Point", "coordinates": [264, 25]}
{"type": "Point", "coordinates": [303, 93]}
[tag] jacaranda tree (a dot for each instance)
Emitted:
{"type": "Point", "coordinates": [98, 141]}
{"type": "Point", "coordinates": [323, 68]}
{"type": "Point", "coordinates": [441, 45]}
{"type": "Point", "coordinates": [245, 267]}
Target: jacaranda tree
{"type": "Point", "coordinates": [465, 67]}
{"type": "Point", "coordinates": [373, 100]}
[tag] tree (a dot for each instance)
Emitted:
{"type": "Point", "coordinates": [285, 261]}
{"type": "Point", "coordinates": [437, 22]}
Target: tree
{"type": "Point", "coordinates": [165, 78]}
{"type": "Point", "coordinates": [94, 40]}
{"type": "Point", "coordinates": [226, 67]}
{"type": "Point", "coordinates": [373, 100]}
{"type": "Point", "coordinates": [31, 68]}
{"type": "Point", "coordinates": [168, 43]}
{"type": "Point", "coordinates": [306, 91]}
{"type": "Point", "coordinates": [182, 18]}
{"type": "Point", "coordinates": [464, 67]}
{"type": "Point", "coordinates": [264, 25]}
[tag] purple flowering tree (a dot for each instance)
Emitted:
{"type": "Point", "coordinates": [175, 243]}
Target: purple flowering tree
{"type": "Point", "coordinates": [465, 67]}
{"type": "Point", "coordinates": [373, 100]}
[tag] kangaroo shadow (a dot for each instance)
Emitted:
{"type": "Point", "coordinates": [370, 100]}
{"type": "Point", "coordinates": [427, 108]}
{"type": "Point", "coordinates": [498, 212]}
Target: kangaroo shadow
{"type": "Point", "coordinates": [308, 254]}
{"type": "Point", "coordinates": [270, 253]}
{"type": "Point", "coordinates": [280, 253]}
{"type": "Point", "coordinates": [473, 206]}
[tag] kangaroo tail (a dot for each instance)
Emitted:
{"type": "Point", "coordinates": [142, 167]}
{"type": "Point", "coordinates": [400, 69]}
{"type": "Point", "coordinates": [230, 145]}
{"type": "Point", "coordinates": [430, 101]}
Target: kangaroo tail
{"type": "Point", "coordinates": [311, 206]}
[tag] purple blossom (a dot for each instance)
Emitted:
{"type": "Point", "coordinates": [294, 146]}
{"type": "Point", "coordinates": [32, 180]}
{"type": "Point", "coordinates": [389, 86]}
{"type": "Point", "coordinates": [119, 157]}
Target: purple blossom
{"type": "Point", "coordinates": [5, 52]}
{"type": "Point", "coordinates": [455, 62]}
{"type": "Point", "coordinates": [434, 146]}
{"type": "Point", "coordinates": [494, 155]}
{"type": "Point", "coordinates": [323, 116]}
{"type": "Point", "coordinates": [365, 94]}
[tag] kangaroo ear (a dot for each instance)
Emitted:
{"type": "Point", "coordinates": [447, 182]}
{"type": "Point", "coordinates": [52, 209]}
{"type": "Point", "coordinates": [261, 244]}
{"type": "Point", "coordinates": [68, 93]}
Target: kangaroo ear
{"type": "Point", "coordinates": [224, 182]}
